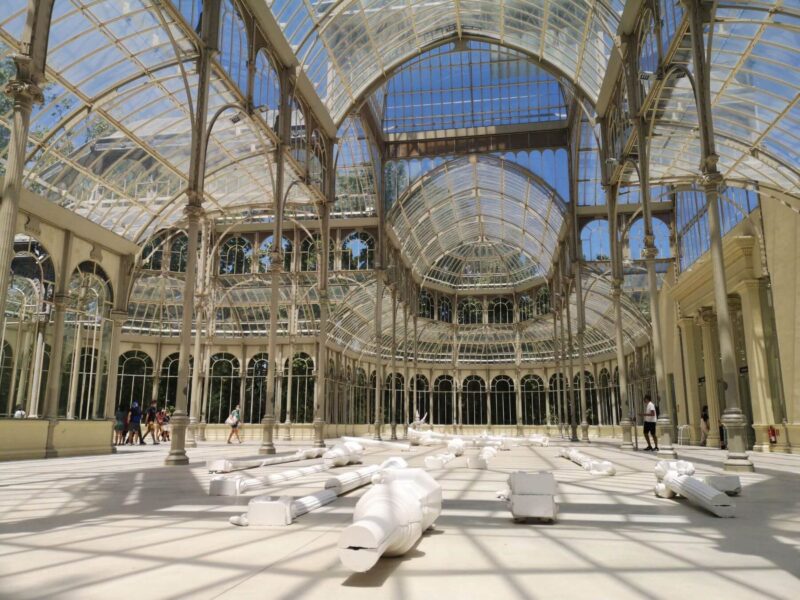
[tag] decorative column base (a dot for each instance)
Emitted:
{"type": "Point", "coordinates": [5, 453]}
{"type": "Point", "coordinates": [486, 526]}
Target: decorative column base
{"type": "Point", "coordinates": [200, 432]}
{"type": "Point", "coordinates": [584, 431]}
{"type": "Point", "coordinates": [519, 430]}
{"type": "Point", "coordinates": [573, 433]}
{"type": "Point", "coordinates": [376, 433]}
{"type": "Point", "coordinates": [627, 434]}
{"type": "Point", "coordinates": [177, 450]}
{"type": "Point", "coordinates": [267, 432]}
{"type": "Point", "coordinates": [737, 460]}
{"type": "Point", "coordinates": [319, 434]}
{"type": "Point", "coordinates": [664, 433]}
{"type": "Point", "coordinates": [287, 432]}
{"type": "Point", "coordinates": [191, 433]}
{"type": "Point", "coordinates": [394, 431]}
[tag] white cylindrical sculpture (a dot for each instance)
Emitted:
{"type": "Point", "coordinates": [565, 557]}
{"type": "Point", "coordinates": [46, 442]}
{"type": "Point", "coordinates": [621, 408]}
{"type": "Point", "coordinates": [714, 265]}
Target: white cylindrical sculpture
{"type": "Point", "coordinates": [481, 461]}
{"type": "Point", "coordinates": [456, 446]}
{"type": "Point", "coordinates": [390, 517]}
{"type": "Point", "coordinates": [344, 453]}
{"type": "Point", "coordinates": [351, 480]}
{"type": "Point", "coordinates": [226, 466]}
{"type": "Point", "coordinates": [594, 466]}
{"type": "Point", "coordinates": [233, 485]}
{"type": "Point", "coordinates": [377, 443]}
{"type": "Point", "coordinates": [681, 467]}
{"type": "Point", "coordinates": [438, 461]}
{"type": "Point", "coordinates": [699, 493]}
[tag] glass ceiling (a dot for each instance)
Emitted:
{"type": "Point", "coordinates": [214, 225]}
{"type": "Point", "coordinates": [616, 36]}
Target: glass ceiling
{"type": "Point", "coordinates": [478, 222]}
{"type": "Point", "coordinates": [349, 46]}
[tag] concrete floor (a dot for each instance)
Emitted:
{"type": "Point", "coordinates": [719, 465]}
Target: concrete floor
{"type": "Point", "coordinates": [124, 526]}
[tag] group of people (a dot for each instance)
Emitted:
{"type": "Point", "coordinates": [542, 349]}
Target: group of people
{"type": "Point", "coordinates": [650, 417]}
{"type": "Point", "coordinates": [129, 423]}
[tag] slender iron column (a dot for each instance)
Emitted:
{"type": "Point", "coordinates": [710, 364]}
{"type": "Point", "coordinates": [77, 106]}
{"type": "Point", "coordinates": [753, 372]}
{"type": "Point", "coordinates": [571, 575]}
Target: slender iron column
{"type": "Point", "coordinates": [581, 353]}
{"type": "Point", "coordinates": [573, 421]}
{"type": "Point", "coordinates": [321, 389]}
{"type": "Point", "coordinates": [379, 274]}
{"type": "Point", "coordinates": [204, 265]}
{"type": "Point", "coordinates": [393, 402]}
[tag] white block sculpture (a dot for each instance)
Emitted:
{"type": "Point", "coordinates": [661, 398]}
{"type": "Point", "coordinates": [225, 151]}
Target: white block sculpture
{"type": "Point", "coordinates": [538, 440]}
{"type": "Point", "coordinates": [727, 484]}
{"type": "Point", "coordinates": [343, 453]}
{"type": "Point", "coordinates": [531, 496]}
{"type": "Point", "coordinates": [226, 466]}
{"type": "Point", "coordinates": [390, 517]}
{"type": "Point", "coordinates": [675, 479]}
{"type": "Point", "coordinates": [351, 480]}
{"type": "Point", "coordinates": [594, 466]}
{"type": "Point", "coordinates": [481, 461]}
{"type": "Point", "coordinates": [438, 461]}
{"type": "Point", "coordinates": [432, 438]}
{"type": "Point", "coordinates": [456, 446]}
{"type": "Point", "coordinates": [234, 485]}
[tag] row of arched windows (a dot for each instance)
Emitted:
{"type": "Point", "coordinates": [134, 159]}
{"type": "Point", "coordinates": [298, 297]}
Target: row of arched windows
{"type": "Point", "coordinates": [470, 310]}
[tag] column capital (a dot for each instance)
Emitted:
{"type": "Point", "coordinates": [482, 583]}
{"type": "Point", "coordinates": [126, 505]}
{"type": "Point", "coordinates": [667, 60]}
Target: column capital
{"type": "Point", "coordinates": [705, 317]}
{"type": "Point", "coordinates": [119, 316]}
{"type": "Point", "coordinates": [24, 90]}
{"type": "Point", "coordinates": [711, 179]}
{"type": "Point", "coordinates": [193, 210]}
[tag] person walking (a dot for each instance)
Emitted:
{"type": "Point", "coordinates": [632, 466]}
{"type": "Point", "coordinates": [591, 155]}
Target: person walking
{"type": "Point", "coordinates": [151, 422]}
{"type": "Point", "coordinates": [650, 417]}
{"type": "Point", "coordinates": [234, 422]}
{"type": "Point", "coordinates": [704, 429]}
{"type": "Point", "coordinates": [119, 425]}
{"type": "Point", "coordinates": [135, 424]}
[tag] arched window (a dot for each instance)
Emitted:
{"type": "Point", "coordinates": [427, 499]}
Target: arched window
{"type": "Point", "coordinates": [267, 90]}
{"type": "Point", "coordinates": [358, 252]}
{"type": "Point", "coordinates": [311, 253]}
{"type": "Point", "coordinates": [233, 52]}
{"type": "Point", "coordinates": [543, 300]}
{"type": "Point", "coordinates": [223, 386]}
{"type": "Point", "coordinates": [636, 239]}
{"type": "Point", "coordinates": [362, 412]}
{"type": "Point", "coordinates": [595, 240]}
{"type": "Point", "coordinates": [420, 393]}
{"type": "Point", "coordinates": [178, 252]}
{"type": "Point", "coordinates": [425, 304]}
{"type": "Point", "coordinates": [557, 396]}
{"type": "Point", "coordinates": [443, 400]}
{"type": "Point", "coordinates": [534, 411]}
{"type": "Point", "coordinates": [6, 371]}
{"type": "Point", "coordinates": [473, 401]}
{"type": "Point", "coordinates": [298, 391]}
{"type": "Point", "coordinates": [606, 413]}
{"type": "Point", "coordinates": [371, 397]}
{"type": "Point", "coordinates": [264, 258]}
{"type": "Point", "coordinates": [256, 381]}
{"type": "Point", "coordinates": [134, 379]}
{"type": "Point", "coordinates": [525, 305]}
{"type": "Point", "coordinates": [470, 311]}
{"type": "Point", "coordinates": [153, 252]}
{"type": "Point", "coordinates": [399, 398]}
{"type": "Point", "coordinates": [503, 399]}
{"type": "Point", "coordinates": [236, 257]}
{"type": "Point", "coordinates": [615, 390]}
{"type": "Point", "coordinates": [591, 397]}
{"type": "Point", "coordinates": [168, 385]}
{"type": "Point", "coordinates": [501, 310]}
{"type": "Point", "coordinates": [445, 310]}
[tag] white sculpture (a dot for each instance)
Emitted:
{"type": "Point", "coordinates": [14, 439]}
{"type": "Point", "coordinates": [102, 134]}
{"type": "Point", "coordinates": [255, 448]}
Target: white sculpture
{"type": "Point", "coordinates": [378, 443]}
{"type": "Point", "coordinates": [438, 461]}
{"type": "Point", "coordinates": [344, 453]}
{"type": "Point", "coordinates": [481, 461]}
{"type": "Point", "coordinates": [430, 438]}
{"type": "Point", "coordinates": [594, 466]}
{"type": "Point", "coordinates": [675, 478]}
{"type": "Point", "coordinates": [226, 466]}
{"type": "Point", "coordinates": [456, 446]}
{"type": "Point", "coordinates": [728, 484]}
{"type": "Point", "coordinates": [531, 496]}
{"type": "Point", "coordinates": [390, 517]}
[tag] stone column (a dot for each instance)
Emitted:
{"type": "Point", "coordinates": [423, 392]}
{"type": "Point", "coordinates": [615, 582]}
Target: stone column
{"type": "Point", "coordinates": [38, 367]}
{"type": "Point", "coordinates": [75, 370]}
{"type": "Point", "coordinates": [573, 422]}
{"type": "Point", "coordinates": [200, 301]}
{"type": "Point", "coordinates": [582, 373]}
{"type": "Point", "coordinates": [378, 357]}
{"type": "Point", "coordinates": [627, 424]}
{"type": "Point", "coordinates": [393, 402]}
{"type": "Point", "coordinates": [117, 321]}
{"type": "Point", "coordinates": [518, 398]}
{"type": "Point", "coordinates": [706, 320]}
{"type": "Point", "coordinates": [689, 338]}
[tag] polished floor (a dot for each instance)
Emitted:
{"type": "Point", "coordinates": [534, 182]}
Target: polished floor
{"type": "Point", "coordinates": [124, 526]}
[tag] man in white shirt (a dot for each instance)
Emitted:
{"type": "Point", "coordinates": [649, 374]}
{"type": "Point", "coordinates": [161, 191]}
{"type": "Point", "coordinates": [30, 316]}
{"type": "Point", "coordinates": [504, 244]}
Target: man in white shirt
{"type": "Point", "coordinates": [650, 418]}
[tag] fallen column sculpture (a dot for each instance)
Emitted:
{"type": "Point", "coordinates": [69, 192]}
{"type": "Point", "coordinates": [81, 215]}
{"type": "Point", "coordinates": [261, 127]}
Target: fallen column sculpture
{"type": "Point", "coordinates": [531, 496]}
{"type": "Point", "coordinates": [438, 461]}
{"type": "Point", "coordinates": [728, 484]}
{"type": "Point", "coordinates": [456, 446]}
{"type": "Point", "coordinates": [481, 461]}
{"type": "Point", "coordinates": [390, 517]}
{"type": "Point", "coordinates": [226, 466]}
{"type": "Point", "coordinates": [678, 481]}
{"type": "Point", "coordinates": [378, 443]}
{"type": "Point", "coordinates": [594, 466]}
{"type": "Point", "coordinates": [234, 485]}
{"type": "Point", "coordinates": [283, 510]}
{"type": "Point", "coordinates": [344, 453]}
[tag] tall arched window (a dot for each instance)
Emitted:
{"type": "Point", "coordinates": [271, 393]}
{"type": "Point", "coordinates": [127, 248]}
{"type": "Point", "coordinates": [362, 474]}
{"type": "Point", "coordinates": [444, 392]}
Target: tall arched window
{"type": "Point", "coordinates": [233, 52]}
{"type": "Point", "coordinates": [470, 311]}
{"type": "Point", "coordinates": [358, 252]}
{"type": "Point", "coordinates": [168, 384]}
{"type": "Point", "coordinates": [134, 379]}
{"type": "Point", "coordinates": [557, 395]}
{"type": "Point", "coordinates": [534, 411]}
{"type": "Point", "coordinates": [267, 90]}
{"type": "Point", "coordinates": [615, 390]}
{"type": "Point", "coordinates": [501, 310]}
{"type": "Point", "coordinates": [425, 304]}
{"type": "Point", "coordinates": [445, 310]}
{"type": "Point", "coordinates": [543, 300]}
{"type": "Point", "coordinates": [298, 392]}
{"type": "Point", "coordinates": [604, 392]}
{"type": "Point", "coordinates": [399, 397]}
{"type": "Point", "coordinates": [223, 386]}
{"type": "Point", "coordinates": [443, 400]}
{"type": "Point", "coordinates": [420, 393]}
{"type": "Point", "coordinates": [595, 241]}
{"type": "Point", "coordinates": [361, 408]}
{"type": "Point", "coordinates": [503, 398]}
{"type": "Point", "coordinates": [311, 253]}
{"type": "Point", "coordinates": [371, 398]}
{"type": "Point", "coordinates": [264, 257]}
{"type": "Point", "coordinates": [660, 233]}
{"type": "Point", "coordinates": [256, 381]}
{"type": "Point", "coordinates": [153, 252]}
{"type": "Point", "coordinates": [591, 397]}
{"type": "Point", "coordinates": [525, 305]}
{"type": "Point", "coordinates": [6, 371]}
{"type": "Point", "coordinates": [178, 252]}
{"type": "Point", "coordinates": [473, 401]}
{"type": "Point", "coordinates": [236, 257]}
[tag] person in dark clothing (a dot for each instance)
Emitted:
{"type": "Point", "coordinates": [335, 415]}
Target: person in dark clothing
{"type": "Point", "coordinates": [135, 423]}
{"type": "Point", "coordinates": [151, 422]}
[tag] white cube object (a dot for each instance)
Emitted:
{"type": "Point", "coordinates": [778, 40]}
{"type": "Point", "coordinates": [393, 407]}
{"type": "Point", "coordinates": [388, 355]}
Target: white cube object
{"type": "Point", "coordinates": [270, 510]}
{"type": "Point", "coordinates": [727, 484]}
{"type": "Point", "coordinates": [533, 507]}
{"type": "Point", "coordinates": [521, 482]}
